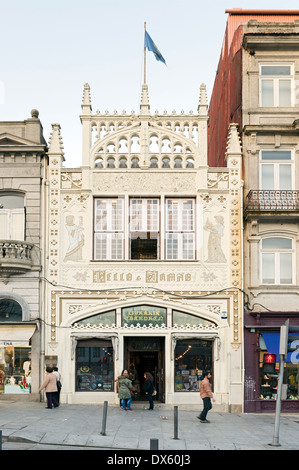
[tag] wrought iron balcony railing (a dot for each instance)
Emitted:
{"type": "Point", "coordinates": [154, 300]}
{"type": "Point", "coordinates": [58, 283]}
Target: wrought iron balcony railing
{"type": "Point", "coordinates": [271, 200]}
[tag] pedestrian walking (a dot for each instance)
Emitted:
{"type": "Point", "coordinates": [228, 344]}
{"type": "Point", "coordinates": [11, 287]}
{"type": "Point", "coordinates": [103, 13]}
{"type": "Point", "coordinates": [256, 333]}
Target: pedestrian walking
{"type": "Point", "coordinates": [124, 387]}
{"type": "Point", "coordinates": [149, 389]}
{"type": "Point", "coordinates": [206, 395]}
{"type": "Point", "coordinates": [50, 386]}
{"type": "Point", "coordinates": [59, 385]}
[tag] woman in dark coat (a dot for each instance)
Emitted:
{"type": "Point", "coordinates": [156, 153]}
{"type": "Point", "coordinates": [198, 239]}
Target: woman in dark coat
{"type": "Point", "coordinates": [124, 384]}
{"type": "Point", "coordinates": [149, 389]}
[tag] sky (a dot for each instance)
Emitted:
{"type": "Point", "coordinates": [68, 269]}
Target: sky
{"type": "Point", "coordinates": [50, 49]}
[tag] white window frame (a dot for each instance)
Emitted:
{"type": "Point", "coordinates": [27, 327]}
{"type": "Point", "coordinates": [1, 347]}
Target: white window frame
{"type": "Point", "coordinates": [144, 215]}
{"type": "Point", "coordinates": [12, 224]}
{"type": "Point", "coordinates": [276, 79]}
{"type": "Point", "coordinates": [109, 232]}
{"type": "Point", "coordinates": [181, 232]}
{"type": "Point", "coordinates": [277, 259]}
{"type": "Point", "coordinates": [276, 164]}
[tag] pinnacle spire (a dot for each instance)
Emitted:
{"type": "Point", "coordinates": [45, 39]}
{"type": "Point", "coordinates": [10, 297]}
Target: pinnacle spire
{"type": "Point", "coordinates": [203, 103]}
{"type": "Point", "coordinates": [86, 102]}
{"type": "Point", "coordinates": [233, 140]}
{"type": "Point", "coordinates": [144, 106]}
{"type": "Point", "coordinates": [55, 141]}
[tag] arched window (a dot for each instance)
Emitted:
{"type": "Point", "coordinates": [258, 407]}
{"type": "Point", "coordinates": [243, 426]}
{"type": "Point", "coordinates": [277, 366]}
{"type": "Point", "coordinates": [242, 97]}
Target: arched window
{"type": "Point", "coordinates": [135, 162]}
{"type": "Point", "coordinates": [110, 162]}
{"type": "Point", "coordinates": [166, 162]}
{"type": "Point", "coordinates": [177, 162]}
{"type": "Point", "coordinates": [184, 319]}
{"type": "Point", "coordinates": [99, 163]}
{"type": "Point", "coordinates": [123, 162]}
{"type": "Point", "coordinates": [154, 162]}
{"type": "Point", "coordinates": [10, 310]}
{"type": "Point", "coordinates": [106, 318]}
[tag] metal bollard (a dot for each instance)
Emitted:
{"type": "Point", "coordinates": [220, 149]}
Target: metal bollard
{"type": "Point", "coordinates": [154, 444]}
{"type": "Point", "coordinates": [104, 421]}
{"type": "Point", "coordinates": [176, 423]}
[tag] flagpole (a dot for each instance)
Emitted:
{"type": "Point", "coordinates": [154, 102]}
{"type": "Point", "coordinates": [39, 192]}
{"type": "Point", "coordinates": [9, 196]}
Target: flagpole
{"type": "Point", "coordinates": [144, 79]}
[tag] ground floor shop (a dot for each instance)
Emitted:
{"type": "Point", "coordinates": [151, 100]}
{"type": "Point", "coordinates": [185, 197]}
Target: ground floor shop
{"type": "Point", "coordinates": [19, 359]}
{"type": "Point", "coordinates": [175, 345]}
{"type": "Point", "coordinates": [95, 369]}
{"type": "Point", "coordinates": [261, 337]}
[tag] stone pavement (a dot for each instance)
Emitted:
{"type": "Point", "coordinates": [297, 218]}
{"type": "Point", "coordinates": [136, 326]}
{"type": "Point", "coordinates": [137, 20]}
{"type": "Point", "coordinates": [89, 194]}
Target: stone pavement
{"type": "Point", "coordinates": [80, 426]}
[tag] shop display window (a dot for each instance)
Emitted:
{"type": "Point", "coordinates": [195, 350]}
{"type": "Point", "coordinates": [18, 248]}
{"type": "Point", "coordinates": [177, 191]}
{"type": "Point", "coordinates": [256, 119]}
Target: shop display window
{"type": "Point", "coordinates": [94, 365]}
{"type": "Point", "coordinates": [268, 383]}
{"type": "Point", "coordinates": [192, 358]}
{"type": "Point", "coordinates": [15, 369]}
{"type": "Point", "coordinates": [290, 386]}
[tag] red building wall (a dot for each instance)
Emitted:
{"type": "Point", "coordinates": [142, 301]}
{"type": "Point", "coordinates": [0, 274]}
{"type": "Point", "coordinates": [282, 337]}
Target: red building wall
{"type": "Point", "coordinates": [226, 99]}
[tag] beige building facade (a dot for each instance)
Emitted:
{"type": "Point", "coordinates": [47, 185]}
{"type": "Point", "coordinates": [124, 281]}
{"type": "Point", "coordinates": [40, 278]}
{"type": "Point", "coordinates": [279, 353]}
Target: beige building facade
{"type": "Point", "coordinates": [23, 176]}
{"type": "Point", "coordinates": [270, 142]}
{"type": "Point", "coordinates": [145, 259]}
{"type": "Point", "coordinates": [256, 86]}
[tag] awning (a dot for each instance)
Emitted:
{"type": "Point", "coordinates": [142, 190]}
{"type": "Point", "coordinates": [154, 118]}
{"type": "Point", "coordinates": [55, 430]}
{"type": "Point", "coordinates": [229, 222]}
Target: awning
{"type": "Point", "coordinates": [18, 335]}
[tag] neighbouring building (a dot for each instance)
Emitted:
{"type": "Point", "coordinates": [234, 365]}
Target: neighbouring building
{"type": "Point", "coordinates": [23, 175]}
{"type": "Point", "coordinates": [256, 86]}
{"type": "Point", "coordinates": [144, 268]}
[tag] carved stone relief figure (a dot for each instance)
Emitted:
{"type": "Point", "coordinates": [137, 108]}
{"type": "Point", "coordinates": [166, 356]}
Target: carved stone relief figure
{"type": "Point", "coordinates": [76, 239]}
{"type": "Point", "coordinates": [215, 253]}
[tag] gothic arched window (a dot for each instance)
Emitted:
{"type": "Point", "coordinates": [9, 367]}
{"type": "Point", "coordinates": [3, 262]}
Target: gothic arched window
{"type": "Point", "coordinates": [10, 310]}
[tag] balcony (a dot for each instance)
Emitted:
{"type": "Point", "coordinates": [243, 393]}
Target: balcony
{"type": "Point", "coordinates": [15, 257]}
{"type": "Point", "coordinates": [283, 203]}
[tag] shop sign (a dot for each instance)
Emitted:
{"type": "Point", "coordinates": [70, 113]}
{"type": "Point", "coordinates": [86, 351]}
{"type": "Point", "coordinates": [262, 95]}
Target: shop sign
{"type": "Point", "coordinates": [50, 361]}
{"type": "Point", "coordinates": [144, 315]}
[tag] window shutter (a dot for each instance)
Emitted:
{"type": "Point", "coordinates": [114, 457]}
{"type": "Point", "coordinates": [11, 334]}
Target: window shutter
{"type": "Point", "coordinates": [17, 224]}
{"type": "Point", "coordinates": [4, 224]}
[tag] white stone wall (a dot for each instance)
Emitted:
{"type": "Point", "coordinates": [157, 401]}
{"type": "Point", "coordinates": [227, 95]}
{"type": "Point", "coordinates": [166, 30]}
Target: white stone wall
{"type": "Point", "coordinates": [208, 286]}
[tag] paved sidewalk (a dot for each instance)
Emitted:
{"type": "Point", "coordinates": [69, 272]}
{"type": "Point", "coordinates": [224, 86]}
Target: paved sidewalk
{"type": "Point", "coordinates": [81, 426]}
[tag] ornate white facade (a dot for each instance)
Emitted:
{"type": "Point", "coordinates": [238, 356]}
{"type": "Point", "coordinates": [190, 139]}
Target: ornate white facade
{"type": "Point", "coordinates": [152, 163]}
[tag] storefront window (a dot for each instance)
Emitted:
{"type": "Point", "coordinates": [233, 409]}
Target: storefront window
{"type": "Point", "coordinates": [269, 343]}
{"type": "Point", "coordinates": [192, 358]}
{"type": "Point", "coordinates": [15, 369]}
{"type": "Point", "coordinates": [94, 365]}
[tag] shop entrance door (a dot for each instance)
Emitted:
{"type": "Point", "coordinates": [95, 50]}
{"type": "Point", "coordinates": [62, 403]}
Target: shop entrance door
{"type": "Point", "coordinates": [144, 354]}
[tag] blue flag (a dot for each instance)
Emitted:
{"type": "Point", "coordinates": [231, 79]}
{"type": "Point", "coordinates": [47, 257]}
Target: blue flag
{"type": "Point", "coordinates": [151, 46]}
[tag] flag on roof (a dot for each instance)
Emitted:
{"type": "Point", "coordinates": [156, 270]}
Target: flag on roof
{"type": "Point", "coordinates": [151, 46]}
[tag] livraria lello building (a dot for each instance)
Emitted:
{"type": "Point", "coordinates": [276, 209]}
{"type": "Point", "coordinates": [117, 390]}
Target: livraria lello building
{"type": "Point", "coordinates": [144, 266]}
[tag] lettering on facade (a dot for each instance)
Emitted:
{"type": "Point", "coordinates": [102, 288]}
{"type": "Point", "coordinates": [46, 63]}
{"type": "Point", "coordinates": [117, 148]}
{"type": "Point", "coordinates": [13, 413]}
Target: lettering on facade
{"type": "Point", "coordinates": [144, 315]}
{"type": "Point", "coordinates": [151, 277]}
